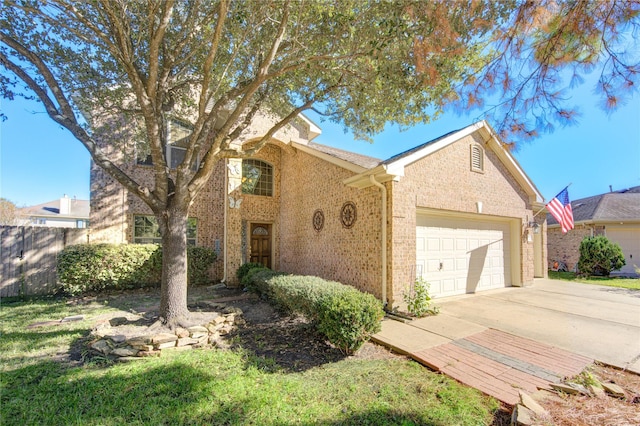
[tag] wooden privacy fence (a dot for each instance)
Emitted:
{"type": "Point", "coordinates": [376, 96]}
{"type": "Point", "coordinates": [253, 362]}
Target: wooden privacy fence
{"type": "Point", "coordinates": [28, 256]}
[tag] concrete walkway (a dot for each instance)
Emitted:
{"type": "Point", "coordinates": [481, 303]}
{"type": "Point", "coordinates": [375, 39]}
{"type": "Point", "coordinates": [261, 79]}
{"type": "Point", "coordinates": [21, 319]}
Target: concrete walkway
{"type": "Point", "coordinates": [502, 340]}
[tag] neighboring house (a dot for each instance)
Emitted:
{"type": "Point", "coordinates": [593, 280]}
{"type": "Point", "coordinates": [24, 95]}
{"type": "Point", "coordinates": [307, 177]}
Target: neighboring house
{"type": "Point", "coordinates": [457, 210]}
{"type": "Point", "coordinates": [62, 213]}
{"type": "Point", "coordinates": [615, 215]}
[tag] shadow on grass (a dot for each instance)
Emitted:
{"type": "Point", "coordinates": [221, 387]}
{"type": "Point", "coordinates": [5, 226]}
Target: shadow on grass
{"type": "Point", "coordinates": [174, 393]}
{"type": "Point", "coordinates": [48, 393]}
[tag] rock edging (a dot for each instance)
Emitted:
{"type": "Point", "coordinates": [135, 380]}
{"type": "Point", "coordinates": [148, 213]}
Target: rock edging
{"type": "Point", "coordinates": [109, 343]}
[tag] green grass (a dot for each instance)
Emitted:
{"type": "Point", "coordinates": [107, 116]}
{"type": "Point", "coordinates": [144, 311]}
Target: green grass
{"type": "Point", "coordinates": [628, 283]}
{"type": "Point", "coordinates": [209, 386]}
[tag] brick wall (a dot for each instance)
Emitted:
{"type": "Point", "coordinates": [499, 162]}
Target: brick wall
{"type": "Point", "coordinates": [351, 256]}
{"type": "Point", "coordinates": [254, 209]}
{"type": "Point", "coordinates": [565, 247]}
{"type": "Point", "coordinates": [444, 181]}
{"type": "Point", "coordinates": [113, 207]}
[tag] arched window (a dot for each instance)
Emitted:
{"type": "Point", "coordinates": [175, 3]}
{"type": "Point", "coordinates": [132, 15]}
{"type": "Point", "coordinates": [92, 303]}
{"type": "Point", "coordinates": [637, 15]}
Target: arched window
{"type": "Point", "coordinates": [257, 178]}
{"type": "Point", "coordinates": [477, 158]}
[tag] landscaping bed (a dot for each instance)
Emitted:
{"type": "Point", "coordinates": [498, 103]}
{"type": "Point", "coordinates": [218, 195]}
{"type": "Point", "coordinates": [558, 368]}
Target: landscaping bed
{"type": "Point", "coordinates": [269, 368]}
{"type": "Point", "coordinates": [272, 370]}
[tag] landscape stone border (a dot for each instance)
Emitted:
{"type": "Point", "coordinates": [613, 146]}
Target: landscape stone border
{"type": "Point", "coordinates": [119, 347]}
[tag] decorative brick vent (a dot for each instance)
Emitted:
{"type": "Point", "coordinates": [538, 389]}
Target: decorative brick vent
{"type": "Point", "coordinates": [348, 214]}
{"type": "Point", "coordinates": [318, 220]}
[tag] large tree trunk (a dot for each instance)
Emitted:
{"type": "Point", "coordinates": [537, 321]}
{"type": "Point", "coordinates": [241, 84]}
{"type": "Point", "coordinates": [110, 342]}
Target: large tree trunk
{"type": "Point", "coordinates": [173, 300]}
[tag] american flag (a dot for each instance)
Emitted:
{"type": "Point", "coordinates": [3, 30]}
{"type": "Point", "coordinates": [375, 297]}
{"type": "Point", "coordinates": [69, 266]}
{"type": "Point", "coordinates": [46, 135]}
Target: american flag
{"type": "Point", "coordinates": [560, 208]}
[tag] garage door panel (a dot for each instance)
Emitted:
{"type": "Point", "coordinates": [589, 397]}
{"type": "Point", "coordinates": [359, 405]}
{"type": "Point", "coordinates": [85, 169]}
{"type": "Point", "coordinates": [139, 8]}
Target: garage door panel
{"type": "Point", "coordinates": [463, 255]}
{"type": "Point", "coordinates": [433, 244]}
{"type": "Point", "coordinates": [433, 265]}
{"type": "Point", "coordinates": [448, 264]}
{"type": "Point", "coordinates": [629, 240]}
{"type": "Point", "coordinates": [446, 244]}
{"type": "Point", "coordinates": [448, 285]}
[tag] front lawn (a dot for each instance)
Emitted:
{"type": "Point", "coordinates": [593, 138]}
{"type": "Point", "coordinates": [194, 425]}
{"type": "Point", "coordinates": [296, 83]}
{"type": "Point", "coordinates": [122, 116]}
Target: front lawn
{"type": "Point", "coordinates": [628, 283]}
{"type": "Point", "coordinates": [45, 381]}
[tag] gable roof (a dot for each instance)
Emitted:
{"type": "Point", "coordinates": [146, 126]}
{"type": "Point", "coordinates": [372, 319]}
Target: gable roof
{"type": "Point", "coordinates": [78, 209]}
{"type": "Point", "coordinates": [393, 167]}
{"type": "Point", "coordinates": [418, 148]}
{"type": "Point", "coordinates": [616, 206]}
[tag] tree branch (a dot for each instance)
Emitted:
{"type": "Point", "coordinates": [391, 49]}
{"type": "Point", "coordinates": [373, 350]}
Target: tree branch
{"type": "Point", "coordinates": [71, 124]}
{"type": "Point", "coordinates": [48, 76]}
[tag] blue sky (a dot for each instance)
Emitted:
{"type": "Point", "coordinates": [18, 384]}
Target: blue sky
{"type": "Point", "coordinates": [40, 161]}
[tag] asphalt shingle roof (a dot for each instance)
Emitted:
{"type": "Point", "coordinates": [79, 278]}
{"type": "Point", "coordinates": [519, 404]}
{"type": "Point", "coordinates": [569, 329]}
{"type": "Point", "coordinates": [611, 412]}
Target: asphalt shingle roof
{"type": "Point", "coordinates": [357, 159]}
{"type": "Point", "coordinates": [79, 208]}
{"type": "Point", "coordinates": [417, 148]}
{"type": "Point", "coordinates": [612, 206]}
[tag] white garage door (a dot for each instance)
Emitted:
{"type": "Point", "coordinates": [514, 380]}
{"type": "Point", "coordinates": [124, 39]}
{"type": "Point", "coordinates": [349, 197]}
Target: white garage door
{"type": "Point", "coordinates": [629, 241]}
{"type": "Point", "coordinates": [458, 256]}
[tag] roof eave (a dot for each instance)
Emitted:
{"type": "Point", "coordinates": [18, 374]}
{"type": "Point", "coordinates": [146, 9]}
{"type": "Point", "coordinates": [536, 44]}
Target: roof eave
{"type": "Point", "coordinates": [601, 222]}
{"type": "Point", "coordinates": [314, 129]}
{"type": "Point", "coordinates": [382, 173]}
{"type": "Point", "coordinates": [329, 158]}
{"type": "Point", "coordinates": [535, 196]}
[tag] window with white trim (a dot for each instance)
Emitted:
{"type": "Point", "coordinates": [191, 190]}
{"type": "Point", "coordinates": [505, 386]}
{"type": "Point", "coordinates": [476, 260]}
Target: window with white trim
{"type": "Point", "coordinates": [146, 230]}
{"type": "Point", "coordinates": [477, 158]}
{"type": "Point", "coordinates": [257, 177]}
{"type": "Point", "coordinates": [177, 141]}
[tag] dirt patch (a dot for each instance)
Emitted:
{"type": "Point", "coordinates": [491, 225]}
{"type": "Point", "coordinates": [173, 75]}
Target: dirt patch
{"type": "Point", "coordinates": [286, 342]}
{"type": "Point", "coordinates": [581, 410]}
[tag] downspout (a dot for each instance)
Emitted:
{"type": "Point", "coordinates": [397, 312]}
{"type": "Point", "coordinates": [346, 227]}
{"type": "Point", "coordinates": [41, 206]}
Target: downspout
{"type": "Point", "coordinates": [224, 221]}
{"type": "Point", "coordinates": [383, 190]}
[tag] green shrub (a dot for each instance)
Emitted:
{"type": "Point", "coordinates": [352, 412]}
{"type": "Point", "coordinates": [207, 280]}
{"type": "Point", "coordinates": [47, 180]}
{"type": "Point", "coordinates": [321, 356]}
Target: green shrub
{"type": "Point", "coordinates": [244, 269]}
{"type": "Point", "coordinates": [345, 315]}
{"type": "Point", "coordinates": [199, 259]}
{"type": "Point", "coordinates": [599, 256]}
{"type": "Point", "coordinates": [246, 279]}
{"type": "Point", "coordinates": [97, 267]}
{"type": "Point", "coordinates": [349, 317]}
{"type": "Point", "coordinates": [418, 299]}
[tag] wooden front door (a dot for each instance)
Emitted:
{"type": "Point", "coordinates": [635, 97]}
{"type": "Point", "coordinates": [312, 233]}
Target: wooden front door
{"type": "Point", "coordinates": [261, 244]}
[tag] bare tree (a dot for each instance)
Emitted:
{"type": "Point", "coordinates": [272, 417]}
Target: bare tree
{"type": "Point", "coordinates": [8, 213]}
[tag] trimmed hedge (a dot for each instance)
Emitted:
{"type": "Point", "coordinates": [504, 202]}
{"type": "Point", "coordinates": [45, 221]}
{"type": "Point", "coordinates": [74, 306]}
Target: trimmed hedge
{"type": "Point", "coordinates": [345, 315]}
{"type": "Point", "coordinates": [98, 267]}
{"type": "Point", "coordinates": [243, 270]}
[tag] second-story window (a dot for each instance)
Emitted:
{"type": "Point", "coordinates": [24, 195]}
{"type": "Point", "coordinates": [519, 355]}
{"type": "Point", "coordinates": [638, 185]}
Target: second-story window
{"type": "Point", "coordinates": [178, 138]}
{"type": "Point", "coordinates": [257, 177]}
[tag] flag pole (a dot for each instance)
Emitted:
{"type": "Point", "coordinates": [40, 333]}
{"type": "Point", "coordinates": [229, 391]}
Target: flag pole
{"type": "Point", "coordinates": [540, 211]}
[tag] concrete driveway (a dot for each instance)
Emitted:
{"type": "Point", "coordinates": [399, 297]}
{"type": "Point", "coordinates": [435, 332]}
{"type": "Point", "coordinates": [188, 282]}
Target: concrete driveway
{"type": "Point", "coordinates": [602, 323]}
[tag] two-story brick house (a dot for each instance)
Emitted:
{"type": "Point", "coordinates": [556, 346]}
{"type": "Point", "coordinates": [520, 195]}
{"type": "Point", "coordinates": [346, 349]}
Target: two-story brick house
{"type": "Point", "coordinates": [457, 210]}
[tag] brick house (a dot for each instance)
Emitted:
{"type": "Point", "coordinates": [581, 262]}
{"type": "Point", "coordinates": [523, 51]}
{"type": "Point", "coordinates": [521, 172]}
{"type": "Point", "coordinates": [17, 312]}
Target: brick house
{"type": "Point", "coordinates": [615, 214]}
{"type": "Point", "coordinates": [457, 210]}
